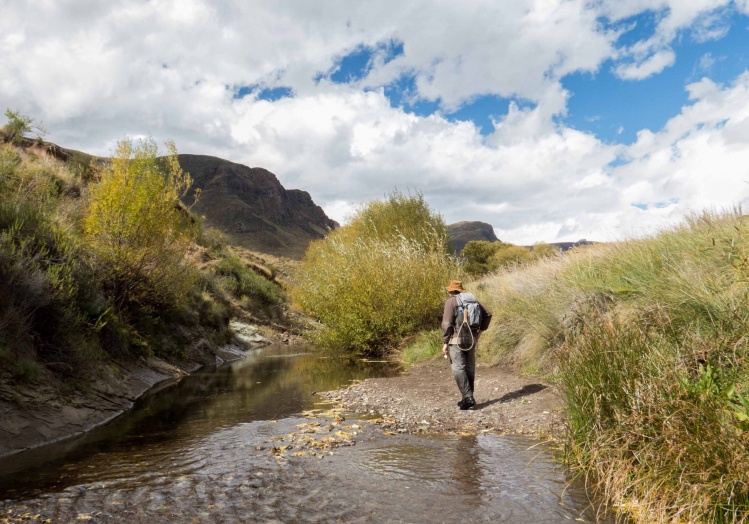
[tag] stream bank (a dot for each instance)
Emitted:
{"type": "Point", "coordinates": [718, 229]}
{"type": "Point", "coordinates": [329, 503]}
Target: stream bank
{"type": "Point", "coordinates": [45, 412]}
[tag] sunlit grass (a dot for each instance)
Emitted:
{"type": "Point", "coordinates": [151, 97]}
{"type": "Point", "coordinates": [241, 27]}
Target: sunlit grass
{"type": "Point", "coordinates": [648, 340]}
{"type": "Point", "coordinates": [424, 346]}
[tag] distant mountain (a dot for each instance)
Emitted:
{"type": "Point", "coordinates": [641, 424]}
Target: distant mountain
{"type": "Point", "coordinates": [564, 246]}
{"type": "Point", "coordinates": [252, 207]}
{"type": "Point", "coordinates": [463, 232]}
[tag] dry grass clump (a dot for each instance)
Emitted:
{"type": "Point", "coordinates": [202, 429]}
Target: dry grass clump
{"type": "Point", "coordinates": [529, 305]}
{"type": "Point", "coordinates": [648, 339]}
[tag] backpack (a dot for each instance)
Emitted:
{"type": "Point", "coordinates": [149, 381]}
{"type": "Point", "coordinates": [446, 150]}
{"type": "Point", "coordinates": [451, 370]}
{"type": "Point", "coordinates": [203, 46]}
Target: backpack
{"type": "Point", "coordinates": [469, 310]}
{"type": "Point", "coordinates": [471, 318]}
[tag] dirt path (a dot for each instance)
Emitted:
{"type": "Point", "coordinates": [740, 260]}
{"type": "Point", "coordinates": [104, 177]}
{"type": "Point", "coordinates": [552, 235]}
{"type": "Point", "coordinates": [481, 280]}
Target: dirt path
{"type": "Point", "coordinates": [424, 400]}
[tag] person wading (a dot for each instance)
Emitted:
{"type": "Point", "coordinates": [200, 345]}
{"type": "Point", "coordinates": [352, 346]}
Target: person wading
{"type": "Point", "coordinates": [461, 339]}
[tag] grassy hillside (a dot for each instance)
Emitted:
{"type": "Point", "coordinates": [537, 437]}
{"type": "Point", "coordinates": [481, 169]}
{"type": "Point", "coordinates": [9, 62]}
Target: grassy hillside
{"type": "Point", "coordinates": [85, 281]}
{"type": "Point", "coordinates": [648, 340]}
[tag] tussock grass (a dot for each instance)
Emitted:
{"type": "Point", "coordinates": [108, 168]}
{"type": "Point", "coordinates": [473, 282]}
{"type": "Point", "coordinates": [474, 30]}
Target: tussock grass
{"type": "Point", "coordinates": [657, 433]}
{"type": "Point", "coordinates": [529, 305]}
{"type": "Point", "coordinates": [648, 340]}
{"type": "Point", "coordinates": [241, 281]}
{"type": "Point", "coordinates": [47, 298]}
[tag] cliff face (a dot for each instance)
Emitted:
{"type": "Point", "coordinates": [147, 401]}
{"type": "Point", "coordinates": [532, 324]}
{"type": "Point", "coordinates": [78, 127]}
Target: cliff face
{"type": "Point", "coordinates": [252, 207]}
{"type": "Point", "coordinates": [463, 232]}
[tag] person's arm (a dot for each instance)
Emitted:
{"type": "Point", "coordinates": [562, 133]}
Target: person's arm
{"type": "Point", "coordinates": [448, 322]}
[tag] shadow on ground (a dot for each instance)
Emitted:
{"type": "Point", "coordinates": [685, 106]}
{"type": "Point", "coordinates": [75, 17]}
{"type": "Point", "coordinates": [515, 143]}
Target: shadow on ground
{"type": "Point", "coordinates": [528, 389]}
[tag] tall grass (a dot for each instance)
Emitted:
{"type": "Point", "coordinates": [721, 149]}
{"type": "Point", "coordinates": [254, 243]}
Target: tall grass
{"type": "Point", "coordinates": [648, 339]}
{"type": "Point", "coordinates": [658, 433]}
{"type": "Point", "coordinates": [48, 301]}
{"type": "Point", "coordinates": [425, 345]}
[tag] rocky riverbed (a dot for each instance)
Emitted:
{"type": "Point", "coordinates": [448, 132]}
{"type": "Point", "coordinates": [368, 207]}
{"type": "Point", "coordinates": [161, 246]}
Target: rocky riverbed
{"type": "Point", "coordinates": [424, 398]}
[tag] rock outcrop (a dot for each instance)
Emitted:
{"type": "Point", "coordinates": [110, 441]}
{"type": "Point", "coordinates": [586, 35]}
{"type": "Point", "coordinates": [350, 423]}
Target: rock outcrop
{"type": "Point", "coordinates": [252, 207]}
{"type": "Point", "coordinates": [463, 232]}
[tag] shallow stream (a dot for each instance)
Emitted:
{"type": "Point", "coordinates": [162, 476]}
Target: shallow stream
{"type": "Point", "coordinates": [207, 450]}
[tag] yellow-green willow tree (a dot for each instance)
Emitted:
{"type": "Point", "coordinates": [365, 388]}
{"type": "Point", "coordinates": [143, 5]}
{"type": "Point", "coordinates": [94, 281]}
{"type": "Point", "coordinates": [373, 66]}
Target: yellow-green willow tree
{"type": "Point", "coordinates": [378, 278]}
{"type": "Point", "coordinates": [137, 230]}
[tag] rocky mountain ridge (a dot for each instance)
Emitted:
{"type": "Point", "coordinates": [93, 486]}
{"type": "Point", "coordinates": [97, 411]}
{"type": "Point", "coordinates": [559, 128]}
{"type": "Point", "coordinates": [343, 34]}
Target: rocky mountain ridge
{"type": "Point", "coordinates": [252, 207]}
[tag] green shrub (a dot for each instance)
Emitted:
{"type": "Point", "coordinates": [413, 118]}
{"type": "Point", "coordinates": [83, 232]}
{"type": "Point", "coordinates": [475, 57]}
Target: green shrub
{"type": "Point", "coordinates": [477, 254]}
{"type": "Point", "coordinates": [138, 232]}
{"type": "Point", "coordinates": [400, 216]}
{"type": "Point", "coordinates": [241, 281]}
{"type": "Point", "coordinates": [212, 239]}
{"type": "Point", "coordinates": [213, 312]}
{"type": "Point", "coordinates": [18, 126]}
{"type": "Point", "coordinates": [377, 279]}
{"type": "Point", "coordinates": [543, 250]}
{"type": "Point", "coordinates": [482, 257]}
{"type": "Point", "coordinates": [510, 256]}
{"type": "Point", "coordinates": [26, 370]}
{"type": "Point", "coordinates": [9, 162]}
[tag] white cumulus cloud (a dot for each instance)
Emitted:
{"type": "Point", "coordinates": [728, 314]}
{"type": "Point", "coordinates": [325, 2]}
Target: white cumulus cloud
{"type": "Point", "coordinates": [97, 71]}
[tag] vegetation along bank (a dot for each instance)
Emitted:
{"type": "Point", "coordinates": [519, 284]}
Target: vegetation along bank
{"type": "Point", "coordinates": [647, 340]}
{"type": "Point", "coordinates": [108, 284]}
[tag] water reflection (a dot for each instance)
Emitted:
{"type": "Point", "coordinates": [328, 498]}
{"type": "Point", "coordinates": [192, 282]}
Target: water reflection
{"type": "Point", "coordinates": [466, 471]}
{"type": "Point", "coordinates": [483, 478]}
{"type": "Point", "coordinates": [271, 383]}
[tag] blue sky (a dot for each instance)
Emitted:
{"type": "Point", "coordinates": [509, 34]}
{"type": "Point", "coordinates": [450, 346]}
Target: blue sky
{"type": "Point", "coordinates": [615, 109]}
{"type": "Point", "coordinates": [611, 108]}
{"type": "Point", "coordinates": [552, 120]}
